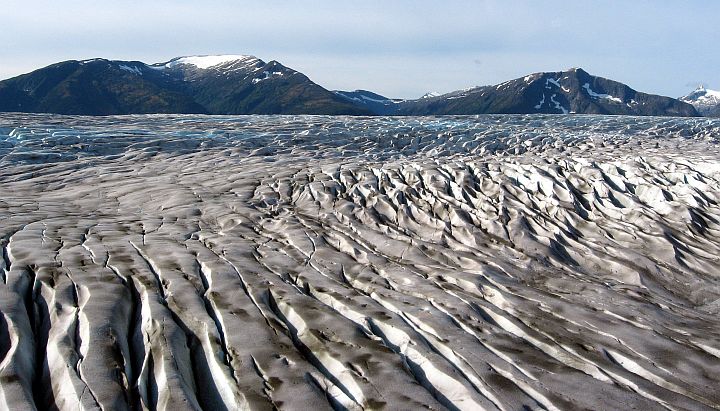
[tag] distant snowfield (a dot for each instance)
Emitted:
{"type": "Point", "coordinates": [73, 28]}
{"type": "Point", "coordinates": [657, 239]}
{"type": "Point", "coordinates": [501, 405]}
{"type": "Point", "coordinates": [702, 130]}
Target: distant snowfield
{"type": "Point", "coordinates": [491, 262]}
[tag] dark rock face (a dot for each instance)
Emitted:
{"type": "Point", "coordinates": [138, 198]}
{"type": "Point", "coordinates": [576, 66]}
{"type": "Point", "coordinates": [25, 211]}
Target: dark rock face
{"type": "Point", "coordinates": [245, 85]}
{"type": "Point", "coordinates": [566, 92]}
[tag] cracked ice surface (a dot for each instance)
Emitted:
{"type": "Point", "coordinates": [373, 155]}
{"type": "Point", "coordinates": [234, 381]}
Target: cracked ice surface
{"type": "Point", "coordinates": [492, 262]}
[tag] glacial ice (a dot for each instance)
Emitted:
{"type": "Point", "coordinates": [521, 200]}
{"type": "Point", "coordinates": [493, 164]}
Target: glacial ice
{"type": "Point", "coordinates": [311, 262]}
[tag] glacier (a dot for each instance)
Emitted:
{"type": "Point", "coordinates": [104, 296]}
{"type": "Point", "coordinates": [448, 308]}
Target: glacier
{"type": "Point", "coordinates": [493, 262]}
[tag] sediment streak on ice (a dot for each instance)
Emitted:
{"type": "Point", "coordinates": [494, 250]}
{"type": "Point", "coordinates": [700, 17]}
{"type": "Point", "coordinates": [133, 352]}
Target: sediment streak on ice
{"type": "Point", "coordinates": [496, 262]}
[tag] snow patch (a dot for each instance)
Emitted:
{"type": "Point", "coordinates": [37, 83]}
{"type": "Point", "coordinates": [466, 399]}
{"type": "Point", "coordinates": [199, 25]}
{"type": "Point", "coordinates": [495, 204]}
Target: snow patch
{"type": "Point", "coordinates": [362, 98]}
{"type": "Point", "coordinates": [540, 104]}
{"type": "Point", "coordinates": [712, 94]}
{"type": "Point", "coordinates": [133, 69]}
{"type": "Point", "coordinates": [553, 81]}
{"type": "Point", "coordinates": [266, 75]}
{"type": "Point", "coordinates": [91, 60]}
{"type": "Point", "coordinates": [375, 100]}
{"type": "Point", "coordinates": [431, 94]}
{"type": "Point", "coordinates": [502, 85]}
{"type": "Point", "coordinates": [205, 62]}
{"type": "Point", "coordinates": [593, 94]}
{"type": "Point", "coordinates": [556, 82]}
{"type": "Point", "coordinates": [557, 104]}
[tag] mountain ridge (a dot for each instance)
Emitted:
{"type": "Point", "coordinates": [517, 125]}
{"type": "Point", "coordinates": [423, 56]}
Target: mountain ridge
{"type": "Point", "coordinates": [572, 91]}
{"type": "Point", "coordinates": [183, 85]}
{"type": "Point", "coordinates": [244, 84]}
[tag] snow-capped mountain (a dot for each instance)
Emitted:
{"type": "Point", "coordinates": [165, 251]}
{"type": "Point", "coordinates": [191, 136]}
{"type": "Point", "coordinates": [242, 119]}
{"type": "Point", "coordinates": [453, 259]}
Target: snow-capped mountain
{"type": "Point", "coordinates": [241, 84]}
{"type": "Point", "coordinates": [565, 92]}
{"type": "Point", "coordinates": [221, 84]}
{"type": "Point", "coordinates": [238, 84]}
{"type": "Point", "coordinates": [96, 87]}
{"type": "Point", "coordinates": [707, 102]}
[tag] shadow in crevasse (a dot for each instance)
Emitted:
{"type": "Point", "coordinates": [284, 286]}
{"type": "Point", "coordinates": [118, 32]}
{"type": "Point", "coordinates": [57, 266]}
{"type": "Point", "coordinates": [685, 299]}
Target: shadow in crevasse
{"type": "Point", "coordinates": [39, 318]}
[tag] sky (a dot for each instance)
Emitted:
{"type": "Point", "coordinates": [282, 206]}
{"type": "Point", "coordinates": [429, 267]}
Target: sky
{"type": "Point", "coordinates": [398, 48]}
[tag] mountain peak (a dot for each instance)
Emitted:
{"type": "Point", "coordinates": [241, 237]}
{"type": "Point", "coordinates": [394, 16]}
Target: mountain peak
{"type": "Point", "coordinates": [557, 92]}
{"type": "Point", "coordinates": [92, 60]}
{"type": "Point", "coordinates": [207, 61]}
{"type": "Point", "coordinates": [706, 101]}
{"type": "Point", "coordinates": [702, 93]}
{"type": "Point", "coordinates": [431, 94]}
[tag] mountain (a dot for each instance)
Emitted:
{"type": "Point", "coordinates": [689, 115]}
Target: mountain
{"type": "Point", "coordinates": [707, 102]}
{"type": "Point", "coordinates": [248, 85]}
{"type": "Point", "coordinates": [374, 102]}
{"type": "Point", "coordinates": [238, 84]}
{"type": "Point", "coordinates": [228, 84]}
{"type": "Point", "coordinates": [564, 92]}
{"type": "Point", "coordinates": [96, 87]}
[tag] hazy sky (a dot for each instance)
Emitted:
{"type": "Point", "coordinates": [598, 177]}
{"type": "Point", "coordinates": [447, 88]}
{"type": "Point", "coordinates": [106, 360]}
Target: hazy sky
{"type": "Point", "coordinates": [401, 48]}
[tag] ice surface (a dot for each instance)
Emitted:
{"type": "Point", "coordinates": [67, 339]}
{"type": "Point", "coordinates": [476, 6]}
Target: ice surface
{"type": "Point", "coordinates": [310, 262]}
